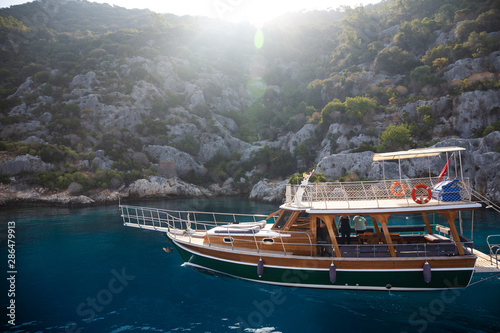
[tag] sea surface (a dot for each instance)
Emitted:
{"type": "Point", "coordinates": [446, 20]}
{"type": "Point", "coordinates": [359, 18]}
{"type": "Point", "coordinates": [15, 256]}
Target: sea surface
{"type": "Point", "coordinates": [81, 270]}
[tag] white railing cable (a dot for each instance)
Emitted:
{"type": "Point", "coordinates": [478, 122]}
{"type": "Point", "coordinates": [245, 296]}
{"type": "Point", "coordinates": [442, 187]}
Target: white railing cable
{"type": "Point", "coordinates": [489, 203]}
{"type": "Point", "coordinates": [351, 194]}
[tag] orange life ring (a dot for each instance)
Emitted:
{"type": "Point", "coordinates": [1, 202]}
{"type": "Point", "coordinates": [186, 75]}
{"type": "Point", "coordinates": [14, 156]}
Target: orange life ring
{"type": "Point", "coordinates": [421, 200]}
{"type": "Point", "coordinates": [401, 191]}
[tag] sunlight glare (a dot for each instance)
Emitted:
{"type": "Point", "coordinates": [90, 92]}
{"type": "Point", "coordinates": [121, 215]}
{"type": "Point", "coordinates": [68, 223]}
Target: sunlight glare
{"type": "Point", "coordinates": [259, 39]}
{"type": "Point", "coordinates": [256, 12]}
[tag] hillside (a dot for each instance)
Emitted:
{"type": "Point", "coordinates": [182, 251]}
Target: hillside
{"type": "Point", "coordinates": [98, 99]}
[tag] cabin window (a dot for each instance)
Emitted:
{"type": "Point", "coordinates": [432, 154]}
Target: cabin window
{"type": "Point", "coordinates": [228, 239]}
{"type": "Point", "coordinates": [267, 241]}
{"type": "Point", "coordinates": [283, 219]}
{"type": "Point", "coordinates": [302, 220]}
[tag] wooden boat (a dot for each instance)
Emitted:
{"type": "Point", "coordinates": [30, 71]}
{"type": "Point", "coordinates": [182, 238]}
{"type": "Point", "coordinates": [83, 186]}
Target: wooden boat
{"type": "Point", "coordinates": [302, 244]}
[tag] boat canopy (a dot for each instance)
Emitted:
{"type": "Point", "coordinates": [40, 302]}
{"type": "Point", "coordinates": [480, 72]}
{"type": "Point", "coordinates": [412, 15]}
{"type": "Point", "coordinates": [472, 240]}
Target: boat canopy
{"type": "Point", "coordinates": [413, 153]}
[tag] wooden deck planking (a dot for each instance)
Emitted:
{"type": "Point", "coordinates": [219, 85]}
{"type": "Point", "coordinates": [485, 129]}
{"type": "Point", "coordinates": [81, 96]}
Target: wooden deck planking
{"type": "Point", "coordinates": [485, 264]}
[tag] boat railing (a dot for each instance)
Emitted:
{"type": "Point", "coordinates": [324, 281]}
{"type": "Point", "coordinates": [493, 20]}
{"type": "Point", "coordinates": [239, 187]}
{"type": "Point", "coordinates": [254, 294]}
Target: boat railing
{"type": "Point", "coordinates": [377, 194]}
{"type": "Point", "coordinates": [401, 250]}
{"type": "Point", "coordinates": [179, 222]}
{"type": "Point", "coordinates": [421, 250]}
{"type": "Point", "coordinates": [189, 224]}
{"type": "Point", "coordinates": [494, 247]}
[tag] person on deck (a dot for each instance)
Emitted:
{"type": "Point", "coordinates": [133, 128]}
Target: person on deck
{"type": "Point", "coordinates": [345, 229]}
{"type": "Point", "coordinates": [359, 224]}
{"type": "Point", "coordinates": [322, 237]}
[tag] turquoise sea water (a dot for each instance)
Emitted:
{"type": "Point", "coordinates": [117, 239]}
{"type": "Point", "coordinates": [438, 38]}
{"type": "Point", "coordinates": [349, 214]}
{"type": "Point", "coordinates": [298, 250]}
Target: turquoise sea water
{"type": "Point", "coordinates": [81, 270]}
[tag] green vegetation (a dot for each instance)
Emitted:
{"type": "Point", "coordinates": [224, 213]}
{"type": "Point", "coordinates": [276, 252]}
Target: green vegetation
{"type": "Point", "coordinates": [189, 144]}
{"type": "Point", "coordinates": [395, 137]}
{"type": "Point", "coordinates": [221, 168]}
{"type": "Point", "coordinates": [153, 72]}
{"type": "Point", "coordinates": [315, 178]}
{"type": "Point", "coordinates": [484, 131]}
{"type": "Point", "coordinates": [273, 163]}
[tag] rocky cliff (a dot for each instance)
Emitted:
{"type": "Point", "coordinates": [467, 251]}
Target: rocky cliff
{"type": "Point", "coordinates": [153, 104]}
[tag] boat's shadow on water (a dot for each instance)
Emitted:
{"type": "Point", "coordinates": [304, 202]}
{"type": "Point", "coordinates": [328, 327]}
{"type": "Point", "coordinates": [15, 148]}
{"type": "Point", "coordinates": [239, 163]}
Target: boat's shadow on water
{"type": "Point", "coordinates": [286, 309]}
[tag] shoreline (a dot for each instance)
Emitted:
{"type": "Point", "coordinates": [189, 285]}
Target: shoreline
{"type": "Point", "coordinates": [154, 188]}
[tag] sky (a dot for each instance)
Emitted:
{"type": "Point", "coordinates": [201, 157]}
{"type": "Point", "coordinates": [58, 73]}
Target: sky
{"type": "Point", "coordinates": [253, 11]}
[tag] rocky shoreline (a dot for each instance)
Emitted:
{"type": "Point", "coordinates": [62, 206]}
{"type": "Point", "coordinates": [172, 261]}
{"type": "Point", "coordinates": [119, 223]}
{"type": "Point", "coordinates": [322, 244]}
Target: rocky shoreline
{"type": "Point", "coordinates": [151, 188]}
{"type": "Point", "coordinates": [480, 165]}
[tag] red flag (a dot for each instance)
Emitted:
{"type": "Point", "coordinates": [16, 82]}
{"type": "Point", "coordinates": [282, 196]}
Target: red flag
{"type": "Point", "coordinates": [443, 172]}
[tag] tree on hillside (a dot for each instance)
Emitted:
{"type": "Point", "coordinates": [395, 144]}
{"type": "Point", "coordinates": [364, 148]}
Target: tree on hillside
{"type": "Point", "coordinates": [357, 108]}
{"type": "Point", "coordinates": [394, 60]}
{"type": "Point", "coordinates": [395, 137]}
{"type": "Point", "coordinates": [359, 30]}
{"type": "Point", "coordinates": [422, 76]}
{"type": "Point", "coordinates": [331, 107]}
{"type": "Point", "coordinates": [415, 35]}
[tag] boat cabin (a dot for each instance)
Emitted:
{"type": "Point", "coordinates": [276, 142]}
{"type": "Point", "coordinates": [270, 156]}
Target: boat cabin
{"type": "Point", "coordinates": [308, 223]}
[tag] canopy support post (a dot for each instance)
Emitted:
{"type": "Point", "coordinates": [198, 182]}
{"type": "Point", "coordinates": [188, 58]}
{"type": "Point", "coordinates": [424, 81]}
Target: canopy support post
{"type": "Point", "coordinates": [383, 221]}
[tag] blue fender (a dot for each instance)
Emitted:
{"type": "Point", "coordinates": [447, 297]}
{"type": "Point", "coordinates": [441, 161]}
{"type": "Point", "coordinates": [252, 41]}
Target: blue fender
{"type": "Point", "coordinates": [427, 272]}
{"type": "Point", "coordinates": [260, 268]}
{"type": "Point", "coordinates": [333, 273]}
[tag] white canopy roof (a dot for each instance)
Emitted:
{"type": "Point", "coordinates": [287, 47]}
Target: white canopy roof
{"type": "Point", "coordinates": [413, 153]}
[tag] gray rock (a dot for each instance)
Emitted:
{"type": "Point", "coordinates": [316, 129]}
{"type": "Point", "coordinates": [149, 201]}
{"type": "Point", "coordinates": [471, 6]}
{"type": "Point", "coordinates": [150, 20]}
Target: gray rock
{"type": "Point", "coordinates": [226, 122]}
{"type": "Point", "coordinates": [196, 99]}
{"type": "Point", "coordinates": [162, 187]}
{"type": "Point", "coordinates": [228, 188]}
{"type": "Point", "coordinates": [103, 162]}
{"type": "Point", "coordinates": [19, 110]}
{"type": "Point", "coordinates": [34, 139]}
{"type": "Point", "coordinates": [140, 158]}
{"type": "Point", "coordinates": [180, 131]}
{"type": "Point", "coordinates": [90, 102]}
{"type": "Point", "coordinates": [26, 162]}
{"type": "Point", "coordinates": [25, 87]}
{"type": "Point", "coordinates": [45, 99]}
{"type": "Point", "coordinates": [45, 118]}
{"type": "Point", "coordinates": [389, 32]}
{"type": "Point", "coordinates": [106, 196]}
{"type": "Point", "coordinates": [84, 81]}
{"type": "Point", "coordinates": [144, 93]}
{"type": "Point", "coordinates": [273, 192]}
{"type": "Point", "coordinates": [212, 145]}
{"type": "Point", "coordinates": [445, 36]}
{"type": "Point", "coordinates": [183, 161]}
{"type": "Point", "coordinates": [463, 68]}
{"type": "Point", "coordinates": [457, 116]}
{"type": "Point", "coordinates": [335, 166]}
{"type": "Point", "coordinates": [75, 188]}
{"type": "Point", "coordinates": [482, 102]}
{"type": "Point", "coordinates": [303, 134]}
{"type": "Point", "coordinates": [37, 195]}
{"type": "Point", "coordinates": [100, 153]}
{"type": "Point", "coordinates": [223, 144]}
{"type": "Point", "coordinates": [495, 61]}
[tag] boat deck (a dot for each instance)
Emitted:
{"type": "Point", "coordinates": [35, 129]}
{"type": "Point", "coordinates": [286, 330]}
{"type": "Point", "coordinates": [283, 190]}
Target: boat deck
{"type": "Point", "coordinates": [486, 264]}
{"type": "Point", "coordinates": [395, 204]}
{"type": "Point", "coordinates": [419, 194]}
